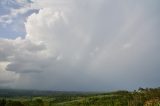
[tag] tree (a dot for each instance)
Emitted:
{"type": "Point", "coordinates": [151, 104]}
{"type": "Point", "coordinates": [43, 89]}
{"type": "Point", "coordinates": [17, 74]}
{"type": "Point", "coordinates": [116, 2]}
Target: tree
{"type": "Point", "coordinates": [14, 103]}
{"type": "Point", "coordinates": [3, 102]}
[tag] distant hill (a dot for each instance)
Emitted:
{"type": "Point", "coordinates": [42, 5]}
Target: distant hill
{"type": "Point", "coordinates": [21, 92]}
{"type": "Point", "coordinates": [140, 97]}
{"type": "Point", "coordinates": [18, 92]}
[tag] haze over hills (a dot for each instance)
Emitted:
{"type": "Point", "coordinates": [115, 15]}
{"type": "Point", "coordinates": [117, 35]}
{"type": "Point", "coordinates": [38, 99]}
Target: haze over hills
{"type": "Point", "coordinates": [30, 93]}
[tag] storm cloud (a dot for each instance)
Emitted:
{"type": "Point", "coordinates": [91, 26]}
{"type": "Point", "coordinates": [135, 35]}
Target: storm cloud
{"type": "Point", "coordinates": [85, 45]}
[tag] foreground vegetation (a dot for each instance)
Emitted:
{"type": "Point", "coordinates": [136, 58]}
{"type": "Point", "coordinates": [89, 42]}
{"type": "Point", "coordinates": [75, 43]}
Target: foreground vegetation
{"type": "Point", "coordinates": [141, 97]}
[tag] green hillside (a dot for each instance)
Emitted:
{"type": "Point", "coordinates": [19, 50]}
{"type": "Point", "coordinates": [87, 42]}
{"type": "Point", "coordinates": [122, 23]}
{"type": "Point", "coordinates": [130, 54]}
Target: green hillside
{"type": "Point", "coordinates": [141, 97]}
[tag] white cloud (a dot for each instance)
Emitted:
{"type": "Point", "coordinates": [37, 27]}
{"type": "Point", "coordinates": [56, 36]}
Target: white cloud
{"type": "Point", "coordinates": [14, 12]}
{"type": "Point", "coordinates": [6, 77]}
{"type": "Point", "coordinates": [81, 48]}
{"type": "Point", "coordinates": [56, 4]}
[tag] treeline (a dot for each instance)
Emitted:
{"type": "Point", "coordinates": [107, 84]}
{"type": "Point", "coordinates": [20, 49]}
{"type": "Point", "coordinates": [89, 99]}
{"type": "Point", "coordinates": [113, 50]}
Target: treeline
{"type": "Point", "coordinates": [37, 102]}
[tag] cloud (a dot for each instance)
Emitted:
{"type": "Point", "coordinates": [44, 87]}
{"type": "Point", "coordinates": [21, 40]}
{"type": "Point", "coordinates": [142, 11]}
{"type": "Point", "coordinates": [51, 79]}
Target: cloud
{"type": "Point", "coordinates": [86, 45]}
{"type": "Point", "coordinates": [15, 8]}
{"type": "Point", "coordinates": [6, 78]}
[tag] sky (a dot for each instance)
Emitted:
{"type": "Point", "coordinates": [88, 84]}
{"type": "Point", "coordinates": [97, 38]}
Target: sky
{"type": "Point", "coordinates": [79, 45]}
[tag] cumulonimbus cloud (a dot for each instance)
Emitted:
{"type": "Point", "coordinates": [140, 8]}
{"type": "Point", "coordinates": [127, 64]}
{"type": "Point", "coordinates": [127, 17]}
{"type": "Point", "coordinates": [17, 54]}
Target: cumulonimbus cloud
{"type": "Point", "coordinates": [86, 45]}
